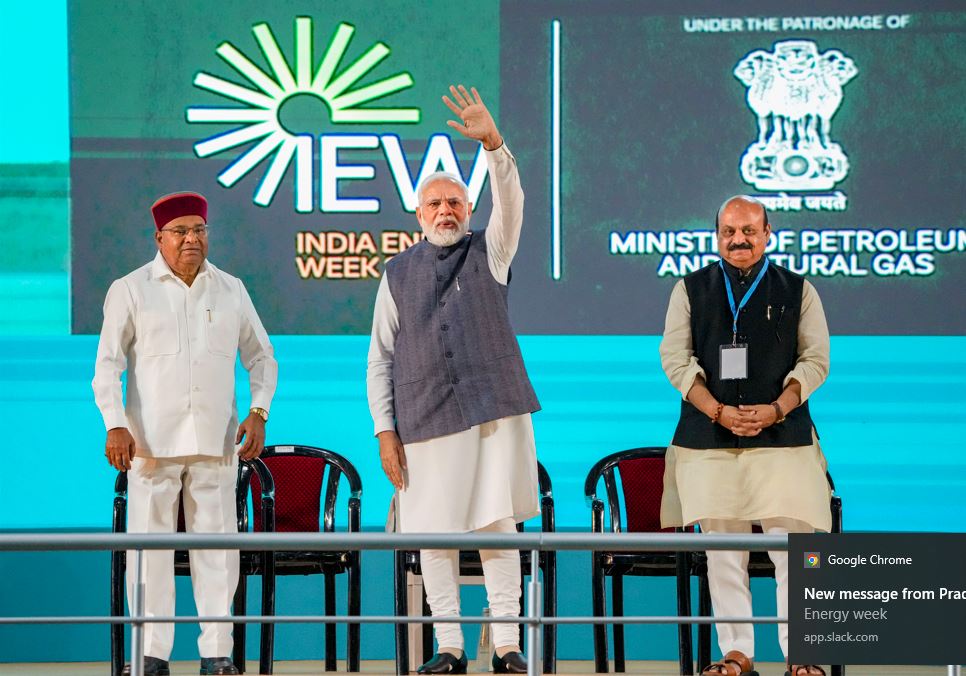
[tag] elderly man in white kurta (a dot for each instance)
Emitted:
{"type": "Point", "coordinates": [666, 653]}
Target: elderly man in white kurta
{"type": "Point", "coordinates": [449, 393]}
{"type": "Point", "coordinates": [176, 325]}
{"type": "Point", "coordinates": [746, 344]}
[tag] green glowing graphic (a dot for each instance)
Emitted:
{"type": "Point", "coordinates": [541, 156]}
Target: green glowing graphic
{"type": "Point", "coordinates": [260, 120]}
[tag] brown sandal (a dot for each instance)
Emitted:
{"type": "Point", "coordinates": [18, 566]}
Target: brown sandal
{"type": "Point", "coordinates": [810, 670]}
{"type": "Point", "coordinates": [735, 659]}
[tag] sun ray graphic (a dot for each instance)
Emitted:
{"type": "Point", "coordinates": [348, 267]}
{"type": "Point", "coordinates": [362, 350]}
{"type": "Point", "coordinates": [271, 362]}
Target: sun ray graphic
{"type": "Point", "coordinates": [266, 90]}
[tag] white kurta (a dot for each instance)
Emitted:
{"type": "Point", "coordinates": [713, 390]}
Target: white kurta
{"type": "Point", "coordinates": [463, 481]}
{"type": "Point", "coordinates": [747, 484]}
{"type": "Point", "coordinates": [178, 344]}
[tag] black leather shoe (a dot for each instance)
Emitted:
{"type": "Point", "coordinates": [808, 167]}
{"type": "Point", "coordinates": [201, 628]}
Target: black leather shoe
{"type": "Point", "coordinates": [444, 663]}
{"type": "Point", "coordinates": [153, 666]}
{"type": "Point", "coordinates": [217, 665]}
{"type": "Point", "coordinates": [511, 663]}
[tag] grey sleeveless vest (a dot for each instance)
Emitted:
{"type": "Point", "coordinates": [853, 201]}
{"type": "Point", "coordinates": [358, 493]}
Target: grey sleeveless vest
{"type": "Point", "coordinates": [457, 362]}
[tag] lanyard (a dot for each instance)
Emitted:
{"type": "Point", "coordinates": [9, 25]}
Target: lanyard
{"type": "Point", "coordinates": [744, 300]}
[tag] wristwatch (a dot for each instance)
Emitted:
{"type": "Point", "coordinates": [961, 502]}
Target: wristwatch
{"type": "Point", "coordinates": [260, 412]}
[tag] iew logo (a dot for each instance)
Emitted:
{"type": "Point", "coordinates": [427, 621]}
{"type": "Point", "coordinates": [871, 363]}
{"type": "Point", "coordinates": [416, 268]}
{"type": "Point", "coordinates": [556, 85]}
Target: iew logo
{"type": "Point", "coordinates": [261, 121]}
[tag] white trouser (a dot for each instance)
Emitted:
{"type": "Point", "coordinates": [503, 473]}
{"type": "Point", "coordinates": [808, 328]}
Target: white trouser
{"type": "Point", "coordinates": [501, 575]}
{"type": "Point", "coordinates": [209, 507]}
{"type": "Point", "coordinates": [730, 590]}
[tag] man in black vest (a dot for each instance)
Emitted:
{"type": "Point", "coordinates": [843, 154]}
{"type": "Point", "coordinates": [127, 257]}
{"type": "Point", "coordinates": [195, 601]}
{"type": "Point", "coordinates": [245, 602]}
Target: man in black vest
{"type": "Point", "coordinates": [448, 391]}
{"type": "Point", "coordinates": [746, 343]}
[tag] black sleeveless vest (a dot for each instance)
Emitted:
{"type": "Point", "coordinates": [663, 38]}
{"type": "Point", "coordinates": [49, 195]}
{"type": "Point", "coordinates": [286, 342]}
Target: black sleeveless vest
{"type": "Point", "coordinates": [768, 324]}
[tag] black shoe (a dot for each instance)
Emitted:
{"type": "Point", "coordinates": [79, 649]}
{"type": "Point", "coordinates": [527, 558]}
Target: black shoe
{"type": "Point", "coordinates": [511, 663]}
{"type": "Point", "coordinates": [217, 665]}
{"type": "Point", "coordinates": [444, 663]}
{"type": "Point", "coordinates": [153, 666]}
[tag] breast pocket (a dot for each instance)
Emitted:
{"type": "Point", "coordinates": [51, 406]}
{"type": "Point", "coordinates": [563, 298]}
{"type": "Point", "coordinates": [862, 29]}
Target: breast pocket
{"type": "Point", "coordinates": [222, 333]}
{"type": "Point", "coordinates": [159, 334]}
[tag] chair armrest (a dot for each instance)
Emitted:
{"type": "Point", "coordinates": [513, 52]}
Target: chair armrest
{"type": "Point", "coordinates": [547, 517]}
{"type": "Point", "coordinates": [355, 514]}
{"type": "Point", "coordinates": [119, 519]}
{"type": "Point", "coordinates": [836, 506]}
{"type": "Point", "coordinates": [597, 516]}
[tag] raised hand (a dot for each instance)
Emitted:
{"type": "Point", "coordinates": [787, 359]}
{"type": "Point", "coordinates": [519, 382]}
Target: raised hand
{"type": "Point", "coordinates": [475, 120]}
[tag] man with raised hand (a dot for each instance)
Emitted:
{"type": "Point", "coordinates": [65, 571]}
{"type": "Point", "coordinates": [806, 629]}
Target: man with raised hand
{"type": "Point", "coordinates": [448, 391]}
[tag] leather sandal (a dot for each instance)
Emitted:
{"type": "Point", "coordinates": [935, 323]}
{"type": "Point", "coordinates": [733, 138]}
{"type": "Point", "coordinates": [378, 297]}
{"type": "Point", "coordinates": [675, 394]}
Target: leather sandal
{"type": "Point", "coordinates": [735, 663]}
{"type": "Point", "coordinates": [810, 670]}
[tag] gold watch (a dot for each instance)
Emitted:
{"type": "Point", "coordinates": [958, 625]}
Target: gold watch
{"type": "Point", "coordinates": [260, 412]}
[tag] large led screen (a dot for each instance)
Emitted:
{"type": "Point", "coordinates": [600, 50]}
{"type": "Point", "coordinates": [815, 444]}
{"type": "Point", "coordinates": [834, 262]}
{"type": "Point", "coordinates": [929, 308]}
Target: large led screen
{"type": "Point", "coordinates": [631, 122]}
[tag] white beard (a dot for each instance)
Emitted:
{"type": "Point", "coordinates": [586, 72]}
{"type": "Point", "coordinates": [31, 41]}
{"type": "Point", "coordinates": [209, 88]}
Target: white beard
{"type": "Point", "coordinates": [446, 237]}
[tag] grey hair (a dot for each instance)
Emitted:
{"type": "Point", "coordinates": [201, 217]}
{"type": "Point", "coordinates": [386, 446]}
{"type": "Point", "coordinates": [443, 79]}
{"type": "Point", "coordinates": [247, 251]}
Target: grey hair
{"type": "Point", "coordinates": [441, 176]}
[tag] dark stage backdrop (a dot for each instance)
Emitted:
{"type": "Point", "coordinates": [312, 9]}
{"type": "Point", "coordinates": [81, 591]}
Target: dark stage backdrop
{"type": "Point", "coordinates": [631, 122]}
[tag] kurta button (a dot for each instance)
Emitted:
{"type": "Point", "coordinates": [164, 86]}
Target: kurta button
{"type": "Point", "coordinates": [444, 327]}
{"type": "Point", "coordinates": [456, 381]}
{"type": "Point", "coordinates": [439, 278]}
{"type": "Point", "coordinates": [442, 303]}
{"type": "Point", "coordinates": [449, 354]}
{"type": "Point", "coordinates": [441, 256]}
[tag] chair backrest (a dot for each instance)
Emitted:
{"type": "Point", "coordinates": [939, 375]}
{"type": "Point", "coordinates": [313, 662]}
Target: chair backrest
{"type": "Point", "coordinates": [635, 504]}
{"type": "Point", "coordinates": [548, 521]}
{"type": "Point", "coordinates": [299, 473]}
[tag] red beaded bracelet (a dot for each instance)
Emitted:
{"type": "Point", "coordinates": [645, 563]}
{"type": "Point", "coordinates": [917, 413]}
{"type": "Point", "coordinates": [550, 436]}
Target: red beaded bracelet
{"type": "Point", "coordinates": [717, 414]}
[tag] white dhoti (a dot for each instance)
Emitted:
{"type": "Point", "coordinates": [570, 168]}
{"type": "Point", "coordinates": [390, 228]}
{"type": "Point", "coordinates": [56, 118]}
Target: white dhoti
{"type": "Point", "coordinates": [730, 591]}
{"type": "Point", "coordinates": [209, 507]}
{"type": "Point", "coordinates": [483, 479]}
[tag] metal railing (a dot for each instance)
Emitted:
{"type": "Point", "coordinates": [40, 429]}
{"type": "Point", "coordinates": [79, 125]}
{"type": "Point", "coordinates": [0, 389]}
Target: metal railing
{"type": "Point", "coordinates": [535, 542]}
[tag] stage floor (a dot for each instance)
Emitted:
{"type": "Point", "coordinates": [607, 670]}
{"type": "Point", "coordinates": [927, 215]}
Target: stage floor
{"type": "Point", "coordinates": [314, 668]}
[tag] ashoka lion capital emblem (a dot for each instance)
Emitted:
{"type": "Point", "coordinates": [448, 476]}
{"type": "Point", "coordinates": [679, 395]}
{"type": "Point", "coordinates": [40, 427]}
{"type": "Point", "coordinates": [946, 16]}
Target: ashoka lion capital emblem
{"type": "Point", "coordinates": [794, 91]}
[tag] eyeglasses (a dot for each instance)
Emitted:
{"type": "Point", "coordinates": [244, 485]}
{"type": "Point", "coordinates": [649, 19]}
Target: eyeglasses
{"type": "Point", "coordinates": [198, 231]}
{"type": "Point", "coordinates": [454, 203]}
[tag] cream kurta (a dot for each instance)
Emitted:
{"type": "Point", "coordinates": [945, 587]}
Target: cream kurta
{"type": "Point", "coordinates": [461, 482]}
{"type": "Point", "coordinates": [750, 483]}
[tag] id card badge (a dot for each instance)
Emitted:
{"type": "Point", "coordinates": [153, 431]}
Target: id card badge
{"type": "Point", "coordinates": [734, 362]}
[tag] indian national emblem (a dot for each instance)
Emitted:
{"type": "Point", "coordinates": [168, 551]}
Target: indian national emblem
{"type": "Point", "coordinates": [794, 90]}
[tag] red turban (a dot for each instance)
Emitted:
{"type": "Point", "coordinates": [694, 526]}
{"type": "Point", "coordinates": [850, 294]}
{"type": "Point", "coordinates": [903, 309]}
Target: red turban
{"type": "Point", "coordinates": [178, 204]}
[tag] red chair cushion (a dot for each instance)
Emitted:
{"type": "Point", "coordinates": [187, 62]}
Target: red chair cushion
{"type": "Point", "coordinates": [643, 482]}
{"type": "Point", "coordinates": [298, 493]}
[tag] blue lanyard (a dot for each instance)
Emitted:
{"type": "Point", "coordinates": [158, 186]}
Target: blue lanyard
{"type": "Point", "coordinates": [744, 300]}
